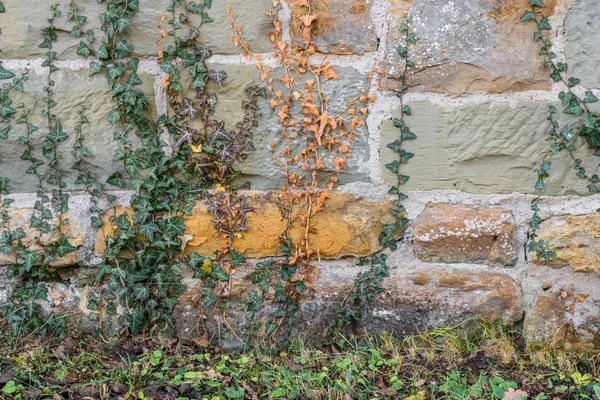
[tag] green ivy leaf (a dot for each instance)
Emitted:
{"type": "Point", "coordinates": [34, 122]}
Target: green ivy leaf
{"type": "Point", "coordinates": [393, 166]}
{"type": "Point", "coordinates": [402, 51]}
{"type": "Point", "coordinates": [572, 82]}
{"type": "Point", "coordinates": [590, 97]}
{"type": "Point", "coordinates": [139, 292]}
{"type": "Point", "coordinates": [113, 117]}
{"type": "Point", "coordinates": [123, 24]}
{"type": "Point", "coordinates": [4, 132]}
{"type": "Point", "coordinates": [219, 274]}
{"type": "Point", "coordinates": [198, 82]}
{"type": "Point", "coordinates": [90, 36]}
{"type": "Point", "coordinates": [407, 135]}
{"type": "Point", "coordinates": [537, 3]}
{"type": "Point", "coordinates": [94, 68]}
{"type": "Point", "coordinates": [528, 15]}
{"type": "Point", "coordinates": [395, 146]}
{"type": "Point", "coordinates": [102, 52]}
{"type": "Point", "coordinates": [116, 180]}
{"type": "Point", "coordinates": [236, 258]}
{"type": "Point", "coordinates": [5, 74]}
{"type": "Point", "coordinates": [574, 108]}
{"type": "Point", "coordinates": [136, 320]}
{"type": "Point", "coordinates": [30, 259]}
{"type": "Point", "coordinates": [195, 8]}
{"type": "Point", "coordinates": [398, 123]}
{"type": "Point", "coordinates": [83, 50]}
{"type": "Point", "coordinates": [57, 134]}
{"type": "Point", "coordinates": [2, 9]}
{"type": "Point", "coordinates": [206, 18]}
{"type": "Point", "coordinates": [405, 156]}
{"type": "Point", "coordinates": [149, 229]}
{"type": "Point", "coordinates": [544, 24]}
{"type": "Point", "coordinates": [63, 247]}
{"type": "Point", "coordinates": [75, 31]}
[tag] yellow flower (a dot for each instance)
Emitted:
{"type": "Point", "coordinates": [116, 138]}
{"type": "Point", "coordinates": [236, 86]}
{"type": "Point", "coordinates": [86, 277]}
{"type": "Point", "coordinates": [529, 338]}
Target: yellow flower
{"type": "Point", "coordinates": [195, 149]}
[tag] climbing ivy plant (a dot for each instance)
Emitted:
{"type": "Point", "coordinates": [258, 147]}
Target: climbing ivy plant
{"type": "Point", "coordinates": [175, 162]}
{"type": "Point", "coordinates": [368, 284]}
{"type": "Point", "coordinates": [581, 130]}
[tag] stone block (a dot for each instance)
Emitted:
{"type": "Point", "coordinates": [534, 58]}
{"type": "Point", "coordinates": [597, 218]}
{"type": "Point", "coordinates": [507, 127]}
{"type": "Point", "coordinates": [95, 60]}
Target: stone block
{"type": "Point", "coordinates": [260, 168]}
{"type": "Point", "coordinates": [412, 302]}
{"type": "Point", "coordinates": [75, 92]}
{"type": "Point", "coordinates": [582, 33]}
{"type": "Point", "coordinates": [339, 27]}
{"type": "Point", "coordinates": [467, 46]}
{"type": "Point", "coordinates": [346, 226]}
{"type": "Point", "coordinates": [456, 233]}
{"type": "Point", "coordinates": [22, 23]}
{"type": "Point", "coordinates": [576, 239]}
{"type": "Point", "coordinates": [564, 318]}
{"type": "Point", "coordinates": [481, 149]}
{"type": "Point", "coordinates": [37, 241]}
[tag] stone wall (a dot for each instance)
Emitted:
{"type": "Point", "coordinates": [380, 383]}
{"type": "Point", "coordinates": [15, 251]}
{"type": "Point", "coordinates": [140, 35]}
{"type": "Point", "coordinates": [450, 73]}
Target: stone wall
{"type": "Point", "coordinates": [479, 98]}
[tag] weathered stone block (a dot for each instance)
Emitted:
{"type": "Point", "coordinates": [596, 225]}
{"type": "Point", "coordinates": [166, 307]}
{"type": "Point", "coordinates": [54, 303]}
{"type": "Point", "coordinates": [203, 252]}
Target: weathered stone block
{"type": "Point", "coordinates": [346, 226]}
{"type": "Point", "coordinates": [413, 301]}
{"type": "Point", "coordinates": [260, 168]}
{"type": "Point", "coordinates": [75, 92]}
{"type": "Point", "coordinates": [251, 16]}
{"type": "Point", "coordinates": [467, 46]}
{"type": "Point", "coordinates": [576, 239]}
{"type": "Point", "coordinates": [563, 318]}
{"type": "Point", "coordinates": [22, 23]}
{"type": "Point", "coordinates": [480, 148]}
{"type": "Point", "coordinates": [19, 218]}
{"type": "Point", "coordinates": [582, 29]}
{"type": "Point", "coordinates": [340, 26]}
{"type": "Point", "coordinates": [456, 233]}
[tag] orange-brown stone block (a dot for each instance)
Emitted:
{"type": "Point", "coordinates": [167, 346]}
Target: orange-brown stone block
{"type": "Point", "coordinates": [576, 239]}
{"type": "Point", "coordinates": [456, 233]}
{"type": "Point", "coordinates": [20, 219]}
{"type": "Point", "coordinates": [345, 226]}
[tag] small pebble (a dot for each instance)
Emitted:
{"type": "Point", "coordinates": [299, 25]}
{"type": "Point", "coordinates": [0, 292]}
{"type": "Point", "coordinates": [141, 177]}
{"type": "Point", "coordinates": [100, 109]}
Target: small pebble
{"type": "Point", "coordinates": [546, 285]}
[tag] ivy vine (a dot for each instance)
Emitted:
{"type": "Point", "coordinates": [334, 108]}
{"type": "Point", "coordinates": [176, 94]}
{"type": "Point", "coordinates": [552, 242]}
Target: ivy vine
{"type": "Point", "coordinates": [368, 284]}
{"type": "Point", "coordinates": [567, 137]}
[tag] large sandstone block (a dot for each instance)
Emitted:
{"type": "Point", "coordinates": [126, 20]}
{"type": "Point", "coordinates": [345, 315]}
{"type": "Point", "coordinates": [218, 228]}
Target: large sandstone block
{"type": "Point", "coordinates": [346, 226]}
{"type": "Point", "coordinates": [37, 241]}
{"type": "Point", "coordinates": [480, 148]}
{"type": "Point", "coordinates": [582, 30]}
{"type": "Point", "coordinates": [23, 21]}
{"type": "Point", "coordinates": [75, 92]}
{"type": "Point", "coordinates": [260, 167]}
{"type": "Point", "coordinates": [456, 233]}
{"type": "Point", "coordinates": [339, 27]}
{"type": "Point", "coordinates": [413, 301]}
{"type": "Point", "coordinates": [576, 239]}
{"type": "Point", "coordinates": [467, 46]}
